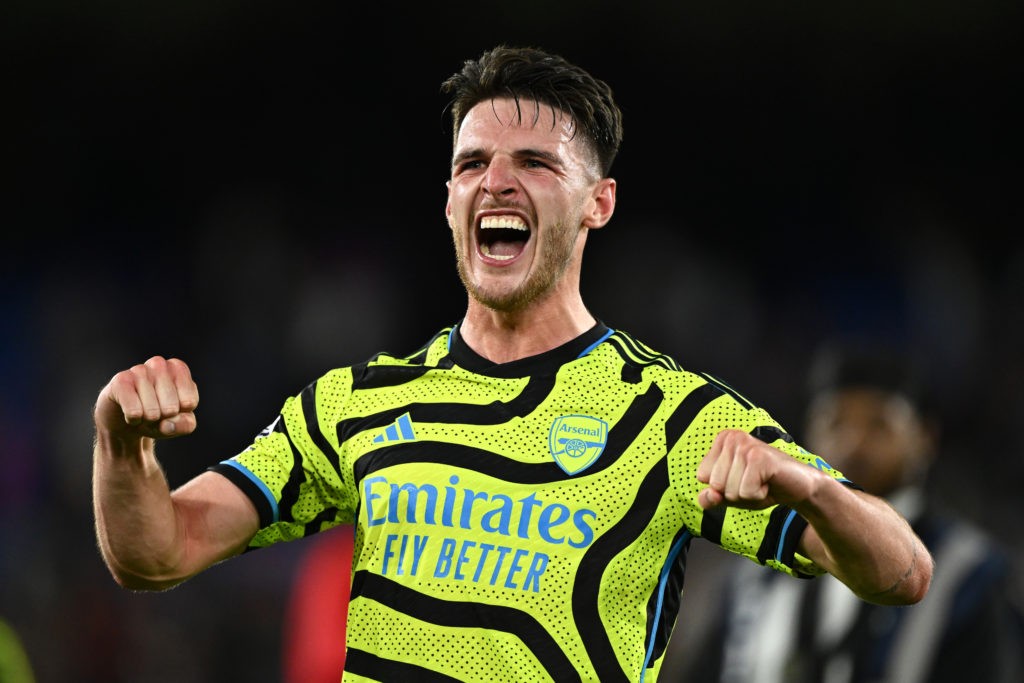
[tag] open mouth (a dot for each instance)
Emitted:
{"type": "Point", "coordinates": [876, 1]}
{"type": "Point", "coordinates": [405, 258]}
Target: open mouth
{"type": "Point", "coordinates": [502, 238]}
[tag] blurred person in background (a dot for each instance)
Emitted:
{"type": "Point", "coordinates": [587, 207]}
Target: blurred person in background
{"type": "Point", "coordinates": [868, 409]}
{"type": "Point", "coordinates": [316, 614]}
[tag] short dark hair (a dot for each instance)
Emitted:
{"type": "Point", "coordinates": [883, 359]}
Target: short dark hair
{"type": "Point", "coordinates": [535, 74]}
{"type": "Point", "coordinates": [886, 367]}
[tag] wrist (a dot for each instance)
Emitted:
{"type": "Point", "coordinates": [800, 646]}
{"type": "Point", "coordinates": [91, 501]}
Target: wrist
{"type": "Point", "coordinates": [122, 445]}
{"type": "Point", "coordinates": [822, 494]}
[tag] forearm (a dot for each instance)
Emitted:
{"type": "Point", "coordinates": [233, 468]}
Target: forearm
{"type": "Point", "coordinates": [138, 532]}
{"type": "Point", "coordinates": [862, 541]}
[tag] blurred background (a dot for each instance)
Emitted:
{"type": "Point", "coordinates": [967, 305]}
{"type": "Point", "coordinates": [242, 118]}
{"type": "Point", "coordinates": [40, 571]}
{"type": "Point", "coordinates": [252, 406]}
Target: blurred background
{"type": "Point", "coordinates": [258, 188]}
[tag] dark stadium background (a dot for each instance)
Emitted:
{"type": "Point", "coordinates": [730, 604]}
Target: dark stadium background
{"type": "Point", "coordinates": [258, 188]}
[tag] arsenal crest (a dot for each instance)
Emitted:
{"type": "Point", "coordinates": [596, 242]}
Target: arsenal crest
{"type": "Point", "coordinates": [576, 441]}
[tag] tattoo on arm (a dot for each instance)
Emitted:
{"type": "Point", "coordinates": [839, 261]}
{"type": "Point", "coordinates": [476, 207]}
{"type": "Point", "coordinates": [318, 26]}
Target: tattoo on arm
{"type": "Point", "coordinates": [906, 575]}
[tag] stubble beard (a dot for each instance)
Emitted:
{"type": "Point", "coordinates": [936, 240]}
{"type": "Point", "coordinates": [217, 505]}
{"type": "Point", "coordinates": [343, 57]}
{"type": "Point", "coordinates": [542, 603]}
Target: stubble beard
{"type": "Point", "coordinates": [539, 284]}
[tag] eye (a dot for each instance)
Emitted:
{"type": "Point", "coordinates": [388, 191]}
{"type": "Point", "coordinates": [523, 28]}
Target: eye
{"type": "Point", "coordinates": [536, 163]}
{"type": "Point", "coordinates": [467, 165]}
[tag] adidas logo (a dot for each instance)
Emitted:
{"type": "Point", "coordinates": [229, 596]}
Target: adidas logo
{"type": "Point", "coordinates": [399, 430]}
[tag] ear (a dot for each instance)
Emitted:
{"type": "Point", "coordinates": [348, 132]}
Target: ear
{"type": "Point", "coordinates": [601, 204]}
{"type": "Point", "coordinates": [448, 205]}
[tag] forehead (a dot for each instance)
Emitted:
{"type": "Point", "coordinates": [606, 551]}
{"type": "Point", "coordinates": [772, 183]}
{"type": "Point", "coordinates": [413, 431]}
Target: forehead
{"type": "Point", "coordinates": [516, 120]}
{"type": "Point", "coordinates": [864, 402]}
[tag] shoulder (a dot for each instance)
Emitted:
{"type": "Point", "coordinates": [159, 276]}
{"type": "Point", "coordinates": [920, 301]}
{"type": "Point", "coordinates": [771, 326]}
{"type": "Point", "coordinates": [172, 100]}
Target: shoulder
{"type": "Point", "coordinates": [636, 353]}
{"type": "Point", "coordinates": [385, 367]}
{"type": "Point", "coordinates": [639, 358]}
{"type": "Point", "coordinates": [430, 353]}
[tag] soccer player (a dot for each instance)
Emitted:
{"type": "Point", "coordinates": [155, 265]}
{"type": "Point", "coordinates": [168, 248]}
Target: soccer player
{"type": "Point", "coordinates": [525, 486]}
{"type": "Point", "coordinates": [868, 409]}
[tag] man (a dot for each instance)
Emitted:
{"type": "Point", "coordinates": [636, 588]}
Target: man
{"type": "Point", "coordinates": [868, 410]}
{"type": "Point", "coordinates": [525, 486]}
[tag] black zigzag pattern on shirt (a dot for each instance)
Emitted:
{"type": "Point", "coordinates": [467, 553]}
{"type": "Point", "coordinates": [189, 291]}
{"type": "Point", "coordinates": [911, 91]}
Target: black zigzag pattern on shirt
{"type": "Point", "coordinates": [468, 614]}
{"type": "Point", "coordinates": [497, 465]}
{"type": "Point", "coordinates": [585, 601]}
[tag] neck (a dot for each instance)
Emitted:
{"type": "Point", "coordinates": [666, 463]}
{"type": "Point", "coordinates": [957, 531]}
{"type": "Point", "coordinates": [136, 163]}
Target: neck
{"type": "Point", "coordinates": [502, 336]}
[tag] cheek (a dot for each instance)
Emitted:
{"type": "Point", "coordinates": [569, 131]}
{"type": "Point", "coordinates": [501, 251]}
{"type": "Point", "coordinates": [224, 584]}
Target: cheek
{"type": "Point", "coordinates": [457, 213]}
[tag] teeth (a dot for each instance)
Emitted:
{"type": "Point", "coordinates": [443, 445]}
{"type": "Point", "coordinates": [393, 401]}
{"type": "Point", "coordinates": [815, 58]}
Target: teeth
{"type": "Point", "coordinates": [504, 222]}
{"type": "Point", "coordinates": [486, 250]}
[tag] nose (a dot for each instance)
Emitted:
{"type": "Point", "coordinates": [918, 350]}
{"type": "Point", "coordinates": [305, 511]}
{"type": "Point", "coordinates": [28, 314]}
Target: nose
{"type": "Point", "coordinates": [500, 177]}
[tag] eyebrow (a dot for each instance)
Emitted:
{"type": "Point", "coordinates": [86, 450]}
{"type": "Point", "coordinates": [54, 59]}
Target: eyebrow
{"type": "Point", "coordinates": [541, 154]}
{"type": "Point", "coordinates": [527, 153]}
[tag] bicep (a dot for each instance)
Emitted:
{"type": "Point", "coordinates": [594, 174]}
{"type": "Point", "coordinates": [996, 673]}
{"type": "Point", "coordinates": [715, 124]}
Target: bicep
{"type": "Point", "coordinates": [218, 520]}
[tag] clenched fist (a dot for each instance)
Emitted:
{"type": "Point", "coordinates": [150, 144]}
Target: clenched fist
{"type": "Point", "coordinates": [154, 399]}
{"type": "Point", "coordinates": [743, 471]}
